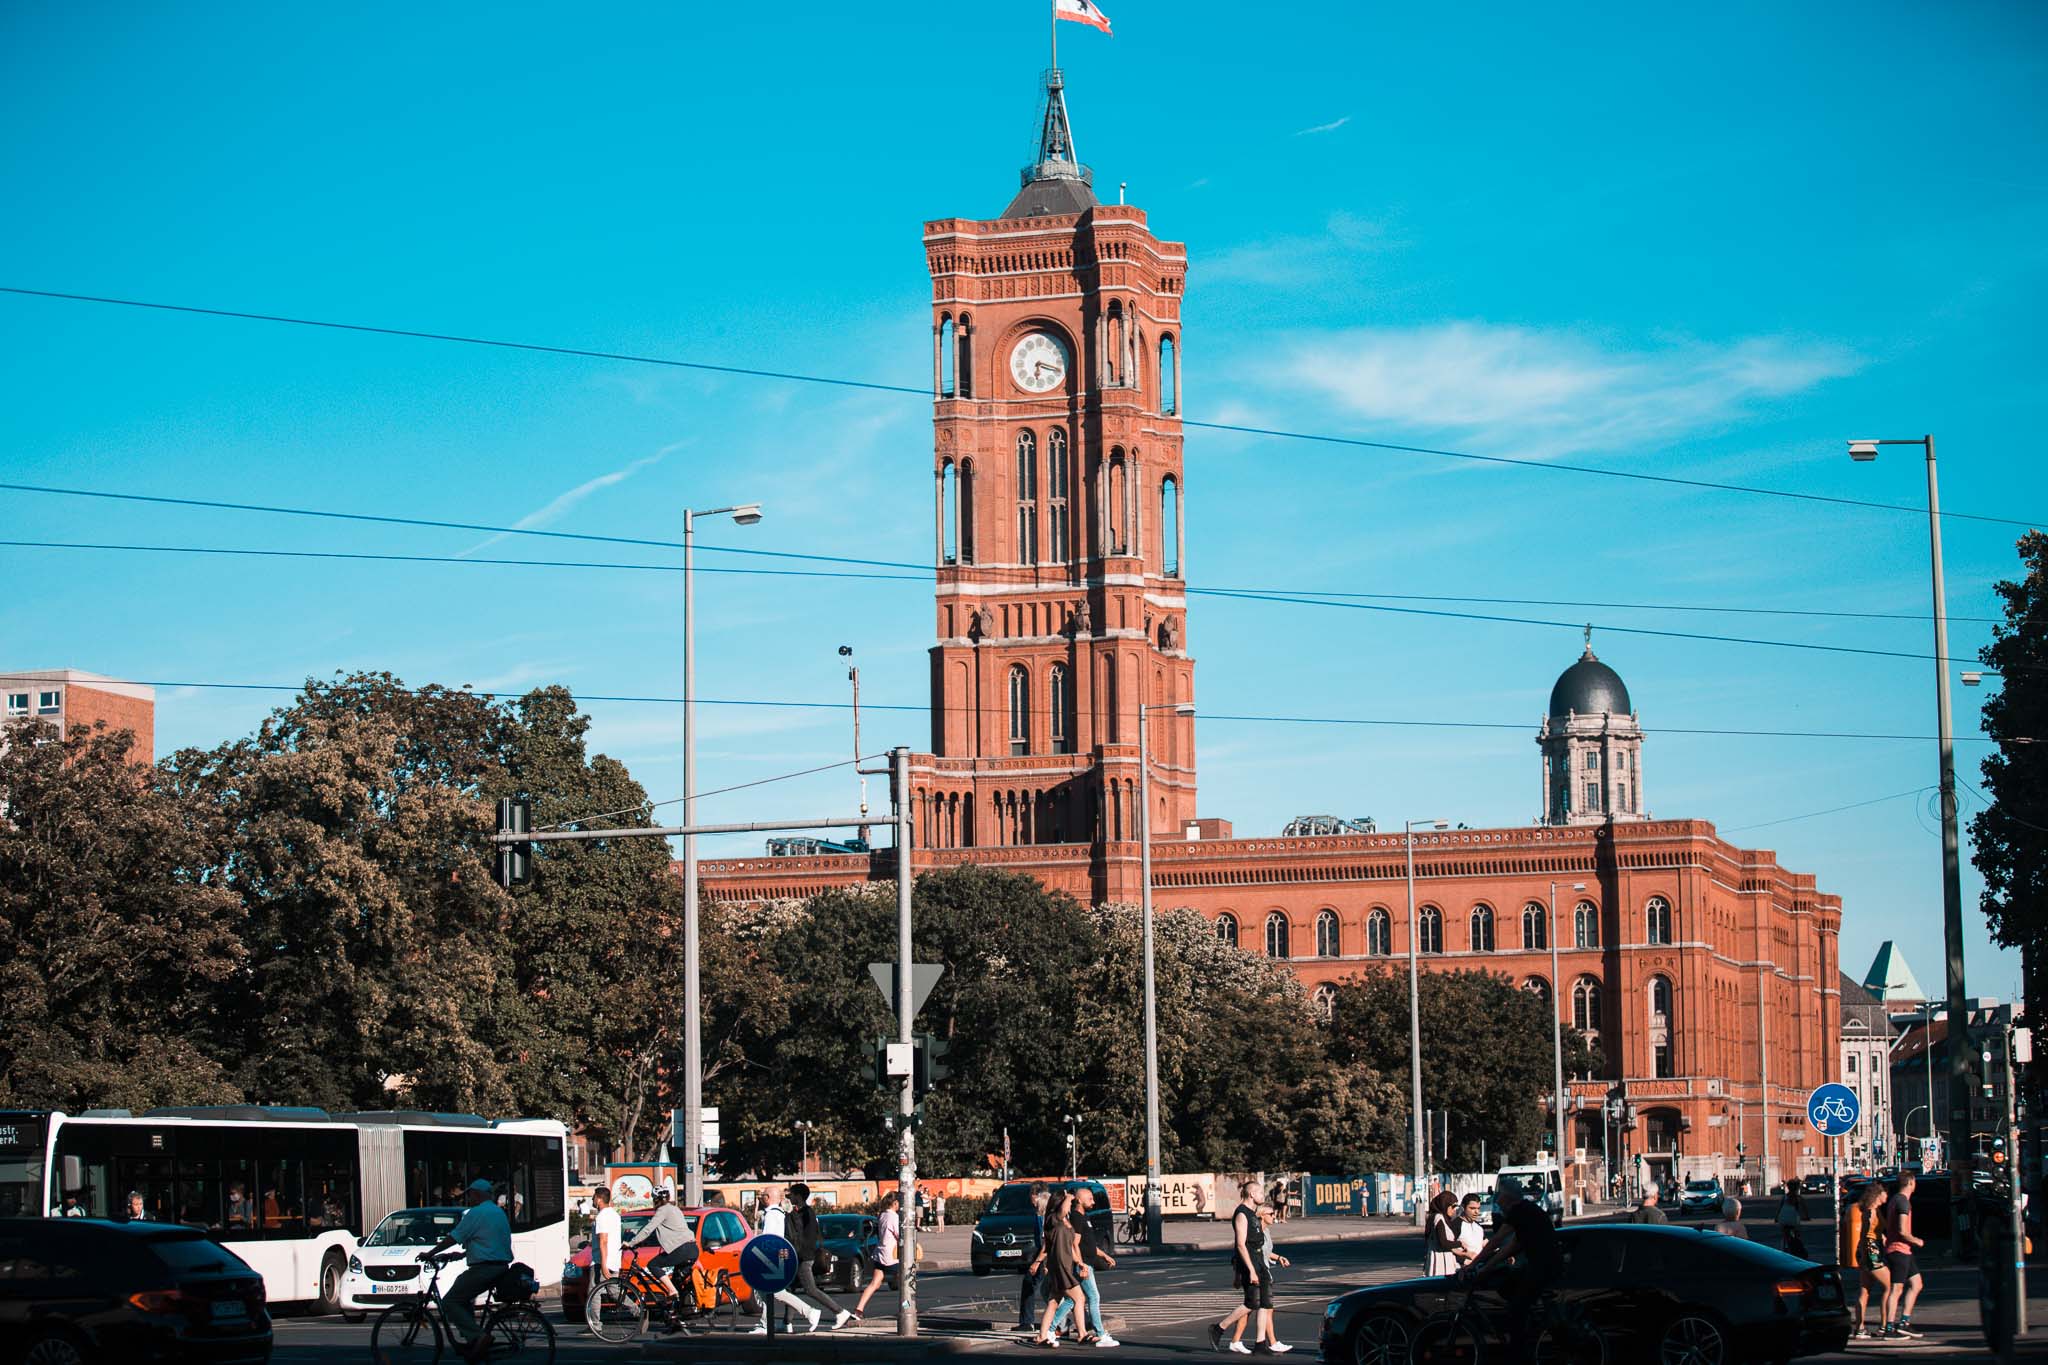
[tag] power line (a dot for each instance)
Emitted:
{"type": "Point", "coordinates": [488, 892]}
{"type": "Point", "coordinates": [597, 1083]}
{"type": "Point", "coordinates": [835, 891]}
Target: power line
{"type": "Point", "coordinates": [921, 708]}
{"type": "Point", "coordinates": [924, 392]}
{"type": "Point", "coordinates": [1831, 810]}
{"type": "Point", "coordinates": [715, 791]}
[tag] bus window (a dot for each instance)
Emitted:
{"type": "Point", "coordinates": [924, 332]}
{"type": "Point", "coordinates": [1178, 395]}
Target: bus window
{"type": "Point", "coordinates": [238, 1185]}
{"type": "Point", "coordinates": [85, 1162]}
{"type": "Point", "coordinates": [331, 1181]}
{"type": "Point", "coordinates": [280, 1185]}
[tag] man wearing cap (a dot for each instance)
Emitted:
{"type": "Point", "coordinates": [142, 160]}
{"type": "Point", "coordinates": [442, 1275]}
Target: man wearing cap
{"type": "Point", "coordinates": [485, 1235]}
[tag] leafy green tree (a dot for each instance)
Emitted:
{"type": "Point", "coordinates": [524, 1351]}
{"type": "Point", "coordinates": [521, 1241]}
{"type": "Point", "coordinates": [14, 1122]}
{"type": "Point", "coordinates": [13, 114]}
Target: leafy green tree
{"type": "Point", "coordinates": [113, 943]}
{"type": "Point", "coordinates": [2011, 835]}
{"type": "Point", "coordinates": [1486, 1053]}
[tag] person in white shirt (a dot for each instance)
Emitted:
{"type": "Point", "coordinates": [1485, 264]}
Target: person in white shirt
{"type": "Point", "coordinates": [775, 1222]}
{"type": "Point", "coordinates": [887, 1270]}
{"type": "Point", "coordinates": [605, 1235]}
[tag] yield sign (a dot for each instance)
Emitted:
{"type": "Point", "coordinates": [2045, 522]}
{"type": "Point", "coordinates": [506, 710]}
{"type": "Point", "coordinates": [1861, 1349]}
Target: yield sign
{"type": "Point", "coordinates": [923, 976]}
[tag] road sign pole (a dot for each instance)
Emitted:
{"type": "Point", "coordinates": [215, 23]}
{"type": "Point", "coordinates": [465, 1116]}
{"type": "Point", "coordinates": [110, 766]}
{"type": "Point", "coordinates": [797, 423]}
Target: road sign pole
{"type": "Point", "coordinates": [906, 1010]}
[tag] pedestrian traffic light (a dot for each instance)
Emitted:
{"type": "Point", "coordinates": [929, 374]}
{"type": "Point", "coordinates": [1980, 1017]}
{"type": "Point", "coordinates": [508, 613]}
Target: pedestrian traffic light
{"type": "Point", "coordinates": [930, 1066]}
{"type": "Point", "coordinates": [513, 864]}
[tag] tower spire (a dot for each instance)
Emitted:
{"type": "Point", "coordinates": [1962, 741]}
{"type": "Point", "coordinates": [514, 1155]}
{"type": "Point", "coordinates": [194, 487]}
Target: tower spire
{"type": "Point", "coordinates": [1056, 158]}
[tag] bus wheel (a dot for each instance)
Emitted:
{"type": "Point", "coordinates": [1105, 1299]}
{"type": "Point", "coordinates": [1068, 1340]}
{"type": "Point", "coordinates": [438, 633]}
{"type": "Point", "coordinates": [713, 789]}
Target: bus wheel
{"type": "Point", "coordinates": [330, 1283]}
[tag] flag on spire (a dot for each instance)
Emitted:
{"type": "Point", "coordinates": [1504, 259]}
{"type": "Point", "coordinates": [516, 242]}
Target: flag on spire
{"type": "Point", "coordinates": [1081, 12]}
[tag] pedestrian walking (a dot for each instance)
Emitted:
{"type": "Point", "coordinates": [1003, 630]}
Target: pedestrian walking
{"type": "Point", "coordinates": [1471, 1232]}
{"type": "Point", "coordinates": [1731, 1219]}
{"type": "Point", "coordinates": [1034, 1269]}
{"type": "Point", "coordinates": [1091, 1259]}
{"type": "Point", "coordinates": [606, 1237]}
{"type": "Point", "coordinates": [887, 1266]}
{"type": "Point", "coordinates": [1862, 1246]}
{"type": "Point", "coordinates": [1250, 1274]}
{"type": "Point", "coordinates": [1440, 1236]}
{"type": "Point", "coordinates": [1646, 1210]}
{"type": "Point", "coordinates": [1062, 1259]}
{"type": "Point", "coordinates": [1901, 1258]}
{"type": "Point", "coordinates": [807, 1235]}
{"type": "Point", "coordinates": [775, 1222]}
{"type": "Point", "coordinates": [1792, 1213]}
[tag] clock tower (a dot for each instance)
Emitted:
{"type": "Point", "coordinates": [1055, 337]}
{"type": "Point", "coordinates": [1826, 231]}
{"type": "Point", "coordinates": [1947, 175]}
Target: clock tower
{"type": "Point", "coordinates": [1057, 527]}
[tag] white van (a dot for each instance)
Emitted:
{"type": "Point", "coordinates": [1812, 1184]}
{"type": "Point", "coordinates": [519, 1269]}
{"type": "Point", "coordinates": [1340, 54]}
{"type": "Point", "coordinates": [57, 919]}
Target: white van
{"type": "Point", "coordinates": [1544, 1183]}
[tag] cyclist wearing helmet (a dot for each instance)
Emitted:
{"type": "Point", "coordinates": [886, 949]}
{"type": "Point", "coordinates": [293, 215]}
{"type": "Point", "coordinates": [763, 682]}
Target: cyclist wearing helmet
{"type": "Point", "coordinates": [673, 1234]}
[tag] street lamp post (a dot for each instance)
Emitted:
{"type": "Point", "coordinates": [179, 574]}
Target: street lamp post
{"type": "Point", "coordinates": [1863, 452]}
{"type": "Point", "coordinates": [1153, 1215]}
{"type": "Point", "coordinates": [1073, 1146]}
{"type": "Point", "coordinates": [1415, 1024]}
{"type": "Point", "coordinates": [1557, 1022]}
{"type": "Point", "coordinates": [746, 514]}
{"type": "Point", "coordinates": [803, 1130]}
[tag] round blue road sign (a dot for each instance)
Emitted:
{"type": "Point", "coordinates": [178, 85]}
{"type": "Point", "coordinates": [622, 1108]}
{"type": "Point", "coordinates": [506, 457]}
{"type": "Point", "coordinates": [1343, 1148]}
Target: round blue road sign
{"type": "Point", "coordinates": [768, 1264]}
{"type": "Point", "coordinates": [1833, 1109]}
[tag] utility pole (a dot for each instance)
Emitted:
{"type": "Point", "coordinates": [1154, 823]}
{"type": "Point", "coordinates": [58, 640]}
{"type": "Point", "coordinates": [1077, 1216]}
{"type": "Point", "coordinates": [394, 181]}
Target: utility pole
{"type": "Point", "coordinates": [906, 1008]}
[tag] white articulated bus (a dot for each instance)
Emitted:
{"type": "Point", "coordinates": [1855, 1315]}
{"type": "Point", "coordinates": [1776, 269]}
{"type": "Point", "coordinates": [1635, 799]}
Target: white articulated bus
{"type": "Point", "coordinates": [291, 1191]}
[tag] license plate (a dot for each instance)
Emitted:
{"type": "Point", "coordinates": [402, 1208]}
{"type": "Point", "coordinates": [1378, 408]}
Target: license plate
{"type": "Point", "coordinates": [391, 1289]}
{"type": "Point", "coordinates": [1000, 1255]}
{"type": "Point", "coordinates": [230, 1310]}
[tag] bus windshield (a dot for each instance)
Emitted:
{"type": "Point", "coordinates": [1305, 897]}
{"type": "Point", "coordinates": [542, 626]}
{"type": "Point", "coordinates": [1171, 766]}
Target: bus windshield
{"type": "Point", "coordinates": [414, 1228]}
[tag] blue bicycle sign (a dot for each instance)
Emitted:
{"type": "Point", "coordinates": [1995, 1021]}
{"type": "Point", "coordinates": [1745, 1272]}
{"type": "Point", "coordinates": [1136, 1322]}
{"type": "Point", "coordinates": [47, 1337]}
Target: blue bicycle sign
{"type": "Point", "coordinates": [1833, 1109]}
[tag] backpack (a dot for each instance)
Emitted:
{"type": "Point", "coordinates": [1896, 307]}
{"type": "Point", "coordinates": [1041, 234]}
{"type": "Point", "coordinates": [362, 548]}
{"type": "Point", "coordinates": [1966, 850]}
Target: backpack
{"type": "Point", "coordinates": [517, 1285]}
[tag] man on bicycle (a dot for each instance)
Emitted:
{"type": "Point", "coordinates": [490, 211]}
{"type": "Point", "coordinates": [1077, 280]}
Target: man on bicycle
{"type": "Point", "coordinates": [671, 1231]}
{"type": "Point", "coordinates": [1525, 1242]}
{"type": "Point", "coordinates": [485, 1235]}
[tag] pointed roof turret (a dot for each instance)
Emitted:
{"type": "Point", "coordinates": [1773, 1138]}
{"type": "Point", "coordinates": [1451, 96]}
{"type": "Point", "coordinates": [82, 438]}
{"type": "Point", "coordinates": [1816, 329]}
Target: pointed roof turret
{"type": "Point", "coordinates": [1055, 183]}
{"type": "Point", "coordinates": [1889, 978]}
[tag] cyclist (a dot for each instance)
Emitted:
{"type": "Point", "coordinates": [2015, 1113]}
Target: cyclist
{"type": "Point", "coordinates": [1526, 1244]}
{"type": "Point", "coordinates": [671, 1231]}
{"type": "Point", "coordinates": [485, 1235]}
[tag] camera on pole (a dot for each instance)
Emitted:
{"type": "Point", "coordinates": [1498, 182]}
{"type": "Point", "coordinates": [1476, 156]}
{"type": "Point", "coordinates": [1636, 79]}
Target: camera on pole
{"type": "Point", "coordinates": [513, 863]}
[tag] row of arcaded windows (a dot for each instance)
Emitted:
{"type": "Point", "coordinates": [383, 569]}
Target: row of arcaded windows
{"type": "Point", "coordinates": [1481, 935]}
{"type": "Point", "coordinates": [1119, 341]}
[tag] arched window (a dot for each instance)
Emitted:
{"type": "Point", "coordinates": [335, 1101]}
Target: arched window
{"type": "Point", "coordinates": [1586, 1005]}
{"type": "Point", "coordinates": [1537, 987]}
{"type": "Point", "coordinates": [1169, 526]}
{"type": "Point", "coordinates": [963, 357]}
{"type": "Point", "coordinates": [949, 514]}
{"type": "Point", "coordinates": [1379, 933]}
{"type": "Point", "coordinates": [1027, 497]}
{"type": "Point", "coordinates": [1020, 710]}
{"type": "Point", "coordinates": [1276, 935]}
{"type": "Point", "coordinates": [945, 358]}
{"type": "Point", "coordinates": [1660, 1027]}
{"type": "Point", "coordinates": [1169, 378]}
{"type": "Point", "coordinates": [1116, 497]}
{"type": "Point", "coordinates": [1535, 926]}
{"type": "Point", "coordinates": [1326, 934]}
{"type": "Point", "coordinates": [1430, 923]}
{"type": "Point", "coordinates": [966, 519]}
{"type": "Point", "coordinates": [1325, 1001]}
{"type": "Point", "coordinates": [1482, 928]}
{"type": "Point", "coordinates": [1657, 921]}
{"type": "Point", "coordinates": [1059, 483]}
{"type": "Point", "coordinates": [1586, 926]}
{"type": "Point", "coordinates": [1061, 693]}
{"type": "Point", "coordinates": [1226, 928]}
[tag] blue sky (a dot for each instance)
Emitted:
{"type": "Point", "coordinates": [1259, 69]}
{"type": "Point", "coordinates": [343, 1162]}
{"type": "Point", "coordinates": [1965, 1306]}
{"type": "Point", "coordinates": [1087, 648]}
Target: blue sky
{"type": "Point", "coordinates": [1712, 245]}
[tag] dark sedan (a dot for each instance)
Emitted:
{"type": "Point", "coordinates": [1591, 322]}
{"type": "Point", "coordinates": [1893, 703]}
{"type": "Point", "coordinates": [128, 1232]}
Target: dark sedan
{"type": "Point", "coordinates": [79, 1289]}
{"type": "Point", "coordinates": [851, 1243]}
{"type": "Point", "coordinates": [1652, 1293]}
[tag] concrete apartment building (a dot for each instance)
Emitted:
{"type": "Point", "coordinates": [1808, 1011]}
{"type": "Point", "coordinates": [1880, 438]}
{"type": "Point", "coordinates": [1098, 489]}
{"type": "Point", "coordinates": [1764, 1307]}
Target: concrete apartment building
{"type": "Point", "coordinates": [69, 700]}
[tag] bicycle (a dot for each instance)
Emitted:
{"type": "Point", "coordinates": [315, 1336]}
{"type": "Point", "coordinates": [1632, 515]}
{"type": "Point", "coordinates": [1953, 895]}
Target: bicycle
{"type": "Point", "coordinates": [1470, 1335]}
{"type": "Point", "coordinates": [411, 1331]}
{"type": "Point", "coordinates": [634, 1302]}
{"type": "Point", "coordinates": [1131, 1231]}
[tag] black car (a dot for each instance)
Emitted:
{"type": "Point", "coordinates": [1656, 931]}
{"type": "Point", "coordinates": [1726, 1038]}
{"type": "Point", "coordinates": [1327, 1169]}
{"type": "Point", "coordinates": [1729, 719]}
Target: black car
{"type": "Point", "coordinates": [84, 1289]}
{"type": "Point", "coordinates": [1820, 1185]}
{"type": "Point", "coordinates": [851, 1243]}
{"type": "Point", "coordinates": [1670, 1293]}
{"type": "Point", "coordinates": [1006, 1237]}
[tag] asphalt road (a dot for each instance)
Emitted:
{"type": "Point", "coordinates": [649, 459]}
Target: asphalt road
{"type": "Point", "coordinates": [1160, 1309]}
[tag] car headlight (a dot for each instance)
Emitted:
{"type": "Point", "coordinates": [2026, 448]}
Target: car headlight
{"type": "Point", "coordinates": [977, 1234]}
{"type": "Point", "coordinates": [355, 1265]}
{"type": "Point", "coordinates": [1331, 1311]}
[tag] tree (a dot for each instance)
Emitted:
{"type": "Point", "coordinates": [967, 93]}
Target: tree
{"type": "Point", "coordinates": [2010, 836]}
{"type": "Point", "coordinates": [113, 943]}
{"type": "Point", "coordinates": [1486, 1052]}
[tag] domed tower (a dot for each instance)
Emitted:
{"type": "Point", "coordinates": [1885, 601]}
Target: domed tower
{"type": "Point", "coordinates": [1592, 747]}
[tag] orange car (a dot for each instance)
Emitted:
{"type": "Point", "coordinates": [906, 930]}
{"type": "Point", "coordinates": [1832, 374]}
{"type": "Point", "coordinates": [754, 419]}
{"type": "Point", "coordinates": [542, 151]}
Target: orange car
{"type": "Point", "coordinates": [722, 1233]}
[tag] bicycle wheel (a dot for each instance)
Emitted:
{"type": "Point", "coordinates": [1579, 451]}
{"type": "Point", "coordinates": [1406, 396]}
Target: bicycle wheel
{"type": "Point", "coordinates": [520, 1331]}
{"type": "Point", "coordinates": [1446, 1340]}
{"type": "Point", "coordinates": [406, 1334]}
{"type": "Point", "coordinates": [614, 1311]}
{"type": "Point", "coordinates": [1570, 1341]}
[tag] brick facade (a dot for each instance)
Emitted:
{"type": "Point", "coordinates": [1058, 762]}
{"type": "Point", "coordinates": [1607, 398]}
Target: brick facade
{"type": "Point", "coordinates": [70, 700]}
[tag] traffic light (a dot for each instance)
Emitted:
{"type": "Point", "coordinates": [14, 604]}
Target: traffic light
{"type": "Point", "coordinates": [513, 864]}
{"type": "Point", "coordinates": [930, 1066]}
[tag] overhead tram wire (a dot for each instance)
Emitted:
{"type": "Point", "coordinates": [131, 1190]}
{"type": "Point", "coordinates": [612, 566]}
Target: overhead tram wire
{"type": "Point", "coordinates": [1816, 814]}
{"type": "Point", "coordinates": [715, 791]}
{"type": "Point", "coordinates": [922, 708]}
{"type": "Point", "coordinates": [922, 391]}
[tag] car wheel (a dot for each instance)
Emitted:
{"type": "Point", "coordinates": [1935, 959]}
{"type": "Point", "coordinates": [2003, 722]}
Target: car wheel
{"type": "Point", "coordinates": [1695, 1337]}
{"type": "Point", "coordinates": [347, 1316]}
{"type": "Point", "coordinates": [1380, 1339]}
{"type": "Point", "coordinates": [55, 1347]}
{"type": "Point", "coordinates": [330, 1283]}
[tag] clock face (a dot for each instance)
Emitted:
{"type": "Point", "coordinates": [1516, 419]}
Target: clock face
{"type": "Point", "coordinates": [1039, 363]}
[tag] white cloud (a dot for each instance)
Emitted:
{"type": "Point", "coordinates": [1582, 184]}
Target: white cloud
{"type": "Point", "coordinates": [1308, 259]}
{"type": "Point", "coordinates": [1329, 127]}
{"type": "Point", "coordinates": [1548, 392]}
{"type": "Point", "coordinates": [561, 505]}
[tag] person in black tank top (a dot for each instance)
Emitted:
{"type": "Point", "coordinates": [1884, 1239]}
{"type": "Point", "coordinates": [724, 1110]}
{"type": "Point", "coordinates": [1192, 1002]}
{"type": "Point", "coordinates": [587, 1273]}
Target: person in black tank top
{"type": "Point", "coordinates": [1249, 1273]}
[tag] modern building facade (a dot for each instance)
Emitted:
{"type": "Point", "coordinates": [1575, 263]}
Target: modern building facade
{"type": "Point", "coordinates": [1706, 972]}
{"type": "Point", "coordinates": [68, 700]}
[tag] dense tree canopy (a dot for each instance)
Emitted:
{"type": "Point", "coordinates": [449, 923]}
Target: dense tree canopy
{"type": "Point", "coordinates": [2011, 836]}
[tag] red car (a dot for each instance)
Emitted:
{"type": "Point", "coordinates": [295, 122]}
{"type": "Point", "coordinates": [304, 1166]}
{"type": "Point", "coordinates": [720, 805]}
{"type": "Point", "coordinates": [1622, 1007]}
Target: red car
{"type": "Point", "coordinates": [721, 1233]}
